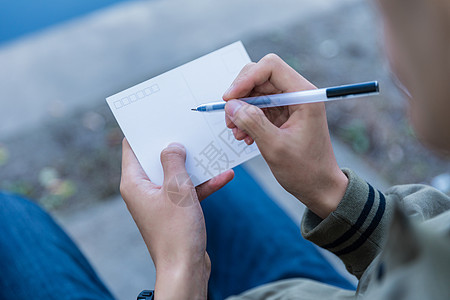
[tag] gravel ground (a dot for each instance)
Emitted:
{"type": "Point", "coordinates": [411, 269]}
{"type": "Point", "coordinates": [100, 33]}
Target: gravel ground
{"type": "Point", "coordinates": [345, 48]}
{"type": "Point", "coordinates": [74, 161]}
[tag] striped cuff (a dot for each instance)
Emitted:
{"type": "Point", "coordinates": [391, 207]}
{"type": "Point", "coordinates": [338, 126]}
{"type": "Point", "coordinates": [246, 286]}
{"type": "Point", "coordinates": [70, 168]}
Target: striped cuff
{"type": "Point", "coordinates": [355, 231]}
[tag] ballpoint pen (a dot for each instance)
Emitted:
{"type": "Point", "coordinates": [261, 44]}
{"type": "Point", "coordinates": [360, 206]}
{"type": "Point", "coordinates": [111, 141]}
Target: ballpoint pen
{"type": "Point", "coordinates": [302, 97]}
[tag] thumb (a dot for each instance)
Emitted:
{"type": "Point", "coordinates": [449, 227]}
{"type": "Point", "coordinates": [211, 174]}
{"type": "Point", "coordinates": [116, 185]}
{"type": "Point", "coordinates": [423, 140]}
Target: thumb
{"type": "Point", "coordinates": [252, 120]}
{"type": "Point", "coordinates": [173, 160]}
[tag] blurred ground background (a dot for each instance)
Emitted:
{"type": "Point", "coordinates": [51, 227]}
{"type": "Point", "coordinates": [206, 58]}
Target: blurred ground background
{"type": "Point", "coordinates": [60, 145]}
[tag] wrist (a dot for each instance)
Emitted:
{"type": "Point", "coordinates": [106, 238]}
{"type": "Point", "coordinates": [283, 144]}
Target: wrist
{"type": "Point", "coordinates": [327, 199]}
{"type": "Point", "coordinates": [182, 280]}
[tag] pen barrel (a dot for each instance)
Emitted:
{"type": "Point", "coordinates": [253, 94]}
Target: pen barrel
{"type": "Point", "coordinates": [274, 100]}
{"type": "Point", "coordinates": [353, 89]}
{"type": "Point", "coordinates": [302, 97]}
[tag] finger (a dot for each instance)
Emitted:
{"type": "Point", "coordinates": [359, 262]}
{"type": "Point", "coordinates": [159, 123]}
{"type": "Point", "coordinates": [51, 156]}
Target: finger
{"type": "Point", "coordinates": [132, 173]}
{"type": "Point", "coordinates": [267, 88]}
{"type": "Point", "coordinates": [234, 130]}
{"type": "Point", "coordinates": [214, 184]}
{"type": "Point", "coordinates": [270, 68]}
{"type": "Point", "coordinates": [248, 140]}
{"type": "Point", "coordinates": [302, 113]}
{"type": "Point", "coordinates": [252, 121]}
{"type": "Point", "coordinates": [173, 160]}
{"type": "Point", "coordinates": [240, 134]}
{"type": "Point", "coordinates": [229, 123]}
{"type": "Point", "coordinates": [242, 74]}
{"type": "Point", "coordinates": [131, 168]}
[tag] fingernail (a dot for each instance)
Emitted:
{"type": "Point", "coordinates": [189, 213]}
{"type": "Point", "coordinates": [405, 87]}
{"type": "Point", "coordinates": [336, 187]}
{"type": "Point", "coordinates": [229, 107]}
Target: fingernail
{"type": "Point", "coordinates": [175, 145]}
{"type": "Point", "coordinates": [232, 107]}
{"type": "Point", "coordinates": [229, 90]}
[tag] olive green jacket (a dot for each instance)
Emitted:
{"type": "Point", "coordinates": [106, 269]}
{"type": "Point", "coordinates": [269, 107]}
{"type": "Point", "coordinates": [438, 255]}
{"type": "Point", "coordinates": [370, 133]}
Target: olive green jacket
{"type": "Point", "coordinates": [392, 256]}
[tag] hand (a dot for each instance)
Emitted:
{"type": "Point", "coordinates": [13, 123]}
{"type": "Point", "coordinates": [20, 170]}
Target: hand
{"type": "Point", "coordinates": [294, 140]}
{"type": "Point", "coordinates": [171, 221]}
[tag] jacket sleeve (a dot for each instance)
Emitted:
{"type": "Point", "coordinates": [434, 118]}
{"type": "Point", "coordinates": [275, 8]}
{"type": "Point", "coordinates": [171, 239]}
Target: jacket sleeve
{"type": "Point", "coordinates": [356, 231]}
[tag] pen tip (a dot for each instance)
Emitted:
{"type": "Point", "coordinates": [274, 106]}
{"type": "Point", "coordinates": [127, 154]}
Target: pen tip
{"type": "Point", "coordinates": [194, 109]}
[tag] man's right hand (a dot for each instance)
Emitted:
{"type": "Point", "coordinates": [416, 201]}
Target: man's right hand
{"type": "Point", "coordinates": [294, 140]}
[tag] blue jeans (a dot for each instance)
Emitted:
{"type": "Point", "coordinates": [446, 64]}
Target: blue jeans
{"type": "Point", "coordinates": [38, 260]}
{"type": "Point", "coordinates": [251, 241]}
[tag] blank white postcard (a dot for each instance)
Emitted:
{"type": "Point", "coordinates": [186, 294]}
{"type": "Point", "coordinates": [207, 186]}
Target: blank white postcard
{"type": "Point", "coordinates": [157, 112]}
